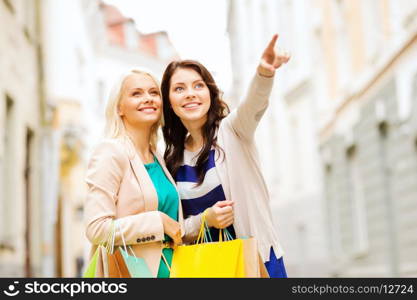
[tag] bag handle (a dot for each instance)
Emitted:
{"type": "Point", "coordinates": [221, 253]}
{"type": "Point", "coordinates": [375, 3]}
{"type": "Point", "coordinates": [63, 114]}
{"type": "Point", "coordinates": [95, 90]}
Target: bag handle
{"type": "Point", "coordinates": [110, 238]}
{"type": "Point", "coordinates": [123, 239]}
{"type": "Point", "coordinates": [117, 225]}
{"type": "Point", "coordinates": [225, 234]}
{"type": "Point", "coordinates": [165, 261]}
{"type": "Point", "coordinates": [204, 235]}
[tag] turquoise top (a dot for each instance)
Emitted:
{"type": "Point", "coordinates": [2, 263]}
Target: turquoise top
{"type": "Point", "coordinates": [167, 203]}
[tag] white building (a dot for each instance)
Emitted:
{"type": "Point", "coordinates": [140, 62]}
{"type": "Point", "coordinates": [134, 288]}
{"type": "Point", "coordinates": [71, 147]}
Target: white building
{"type": "Point", "coordinates": [339, 139]}
{"type": "Point", "coordinates": [287, 135]}
{"type": "Point", "coordinates": [368, 140]}
{"type": "Point", "coordinates": [21, 138]}
{"type": "Point", "coordinates": [59, 60]}
{"type": "Point", "coordinates": [82, 61]}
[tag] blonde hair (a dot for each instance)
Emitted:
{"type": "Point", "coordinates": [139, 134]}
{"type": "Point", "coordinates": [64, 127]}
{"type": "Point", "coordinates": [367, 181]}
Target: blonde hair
{"type": "Point", "coordinates": [114, 124]}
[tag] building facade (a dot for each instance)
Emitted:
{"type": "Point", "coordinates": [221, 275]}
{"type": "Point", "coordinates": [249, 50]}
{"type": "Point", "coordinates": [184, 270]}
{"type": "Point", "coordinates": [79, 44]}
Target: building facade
{"type": "Point", "coordinates": [59, 60]}
{"type": "Point", "coordinates": [339, 139]}
{"type": "Point", "coordinates": [287, 134]}
{"type": "Point", "coordinates": [21, 139]}
{"type": "Point", "coordinates": [368, 143]}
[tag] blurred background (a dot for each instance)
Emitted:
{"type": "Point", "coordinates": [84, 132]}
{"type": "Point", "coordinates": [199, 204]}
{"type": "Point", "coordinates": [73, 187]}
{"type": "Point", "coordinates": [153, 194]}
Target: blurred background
{"type": "Point", "coordinates": [338, 143]}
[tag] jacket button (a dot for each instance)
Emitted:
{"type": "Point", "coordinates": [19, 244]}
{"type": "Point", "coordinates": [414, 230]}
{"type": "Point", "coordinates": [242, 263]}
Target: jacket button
{"type": "Point", "coordinates": [138, 240]}
{"type": "Point", "coordinates": [152, 237]}
{"type": "Point", "coordinates": [143, 239]}
{"type": "Point", "coordinates": [148, 238]}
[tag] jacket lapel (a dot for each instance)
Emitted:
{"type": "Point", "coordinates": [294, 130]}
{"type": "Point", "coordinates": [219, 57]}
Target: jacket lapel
{"type": "Point", "coordinates": [150, 197]}
{"type": "Point", "coordinates": [168, 175]}
{"type": "Point", "coordinates": [221, 168]}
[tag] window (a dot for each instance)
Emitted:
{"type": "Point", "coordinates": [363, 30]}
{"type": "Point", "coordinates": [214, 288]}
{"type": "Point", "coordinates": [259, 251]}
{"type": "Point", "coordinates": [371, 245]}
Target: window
{"type": "Point", "coordinates": [343, 54]}
{"type": "Point", "coordinates": [332, 213]}
{"type": "Point", "coordinates": [81, 61]}
{"type": "Point", "coordinates": [320, 76]}
{"type": "Point", "coordinates": [3, 176]}
{"type": "Point", "coordinates": [402, 15]}
{"type": "Point", "coordinates": [387, 198]}
{"type": "Point", "coordinates": [79, 213]}
{"type": "Point", "coordinates": [357, 203]}
{"type": "Point", "coordinates": [100, 95]}
{"type": "Point", "coordinates": [9, 5]}
{"type": "Point", "coordinates": [29, 207]}
{"type": "Point", "coordinates": [297, 156]}
{"type": "Point", "coordinates": [287, 39]}
{"type": "Point", "coordinates": [405, 93]}
{"type": "Point", "coordinates": [373, 34]}
{"type": "Point", "coordinates": [412, 101]}
{"type": "Point", "coordinates": [29, 19]}
{"type": "Point", "coordinates": [7, 166]}
{"type": "Point", "coordinates": [131, 35]}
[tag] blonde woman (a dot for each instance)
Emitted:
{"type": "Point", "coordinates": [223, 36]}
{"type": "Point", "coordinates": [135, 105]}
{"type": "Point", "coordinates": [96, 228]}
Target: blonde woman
{"type": "Point", "coordinates": [127, 179]}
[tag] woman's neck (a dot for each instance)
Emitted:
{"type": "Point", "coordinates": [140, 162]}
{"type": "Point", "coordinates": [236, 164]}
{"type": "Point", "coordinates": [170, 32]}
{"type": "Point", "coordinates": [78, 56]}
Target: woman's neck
{"type": "Point", "coordinates": [195, 140]}
{"type": "Point", "coordinates": [141, 137]}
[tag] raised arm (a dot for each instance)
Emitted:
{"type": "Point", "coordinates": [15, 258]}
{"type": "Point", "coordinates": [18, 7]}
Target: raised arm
{"type": "Point", "coordinates": [250, 111]}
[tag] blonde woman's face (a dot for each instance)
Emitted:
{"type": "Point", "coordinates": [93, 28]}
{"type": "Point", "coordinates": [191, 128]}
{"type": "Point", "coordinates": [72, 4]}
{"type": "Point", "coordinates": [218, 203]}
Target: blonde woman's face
{"type": "Point", "coordinates": [141, 102]}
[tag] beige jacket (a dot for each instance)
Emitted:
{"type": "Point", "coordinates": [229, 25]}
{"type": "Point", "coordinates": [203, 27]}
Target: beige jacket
{"type": "Point", "coordinates": [240, 172]}
{"type": "Point", "coordinates": [119, 187]}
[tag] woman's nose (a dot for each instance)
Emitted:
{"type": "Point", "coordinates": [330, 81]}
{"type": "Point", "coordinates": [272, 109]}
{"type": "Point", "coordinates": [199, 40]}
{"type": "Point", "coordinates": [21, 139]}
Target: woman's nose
{"type": "Point", "coordinates": [148, 99]}
{"type": "Point", "coordinates": [190, 94]}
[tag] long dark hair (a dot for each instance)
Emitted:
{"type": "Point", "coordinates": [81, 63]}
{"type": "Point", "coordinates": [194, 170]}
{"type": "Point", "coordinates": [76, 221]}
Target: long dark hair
{"type": "Point", "coordinates": [175, 132]}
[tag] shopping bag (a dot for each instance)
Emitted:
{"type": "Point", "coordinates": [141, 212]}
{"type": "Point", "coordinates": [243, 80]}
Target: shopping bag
{"type": "Point", "coordinates": [251, 257]}
{"type": "Point", "coordinates": [216, 259]}
{"type": "Point", "coordinates": [106, 262]}
{"type": "Point", "coordinates": [116, 265]}
{"type": "Point", "coordinates": [99, 267]}
{"type": "Point", "coordinates": [137, 266]}
{"type": "Point", "coordinates": [209, 259]}
{"type": "Point", "coordinates": [111, 262]}
{"type": "Point", "coordinates": [254, 266]}
{"type": "Point", "coordinates": [90, 271]}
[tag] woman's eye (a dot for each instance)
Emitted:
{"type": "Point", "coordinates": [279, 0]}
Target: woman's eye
{"type": "Point", "coordinates": [199, 85]}
{"type": "Point", "coordinates": [154, 93]}
{"type": "Point", "coordinates": [178, 89]}
{"type": "Point", "coordinates": [136, 94]}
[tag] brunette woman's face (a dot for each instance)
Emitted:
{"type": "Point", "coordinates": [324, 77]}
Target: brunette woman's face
{"type": "Point", "coordinates": [141, 102]}
{"type": "Point", "coordinates": [189, 96]}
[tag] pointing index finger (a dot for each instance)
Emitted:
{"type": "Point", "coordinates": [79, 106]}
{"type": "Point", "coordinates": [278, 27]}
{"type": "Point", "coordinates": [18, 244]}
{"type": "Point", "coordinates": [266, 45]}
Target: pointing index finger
{"type": "Point", "coordinates": [271, 44]}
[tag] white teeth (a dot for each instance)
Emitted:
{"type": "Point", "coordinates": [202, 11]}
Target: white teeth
{"type": "Point", "coordinates": [191, 105]}
{"type": "Point", "coordinates": [148, 109]}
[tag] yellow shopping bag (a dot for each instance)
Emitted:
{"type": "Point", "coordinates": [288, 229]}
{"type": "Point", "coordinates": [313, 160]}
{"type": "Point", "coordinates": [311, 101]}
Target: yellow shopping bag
{"type": "Point", "coordinates": [209, 259]}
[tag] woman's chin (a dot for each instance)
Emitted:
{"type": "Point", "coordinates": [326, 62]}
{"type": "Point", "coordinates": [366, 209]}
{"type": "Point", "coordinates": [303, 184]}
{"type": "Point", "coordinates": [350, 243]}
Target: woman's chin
{"type": "Point", "coordinates": [193, 117]}
{"type": "Point", "coordinates": [148, 121]}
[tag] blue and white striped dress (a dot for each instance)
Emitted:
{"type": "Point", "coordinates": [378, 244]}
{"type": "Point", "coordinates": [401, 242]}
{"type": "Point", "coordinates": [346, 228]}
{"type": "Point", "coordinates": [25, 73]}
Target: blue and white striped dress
{"type": "Point", "coordinates": [194, 199]}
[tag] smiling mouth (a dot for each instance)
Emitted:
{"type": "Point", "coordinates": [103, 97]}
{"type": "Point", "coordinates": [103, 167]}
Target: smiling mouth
{"type": "Point", "coordinates": [148, 109]}
{"type": "Point", "coordinates": [191, 105]}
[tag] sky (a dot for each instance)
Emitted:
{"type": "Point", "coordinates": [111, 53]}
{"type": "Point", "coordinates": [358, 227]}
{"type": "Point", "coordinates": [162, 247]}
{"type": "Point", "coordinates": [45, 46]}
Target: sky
{"type": "Point", "coordinates": [197, 29]}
